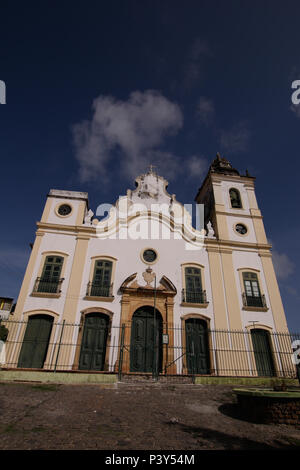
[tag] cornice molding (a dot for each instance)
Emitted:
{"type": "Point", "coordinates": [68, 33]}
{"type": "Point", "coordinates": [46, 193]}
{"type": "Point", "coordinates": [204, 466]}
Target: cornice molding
{"type": "Point", "coordinates": [218, 177]}
{"type": "Point", "coordinates": [231, 244]}
{"type": "Point", "coordinates": [240, 214]}
{"type": "Point", "coordinates": [265, 254]}
{"type": "Point", "coordinates": [84, 232]}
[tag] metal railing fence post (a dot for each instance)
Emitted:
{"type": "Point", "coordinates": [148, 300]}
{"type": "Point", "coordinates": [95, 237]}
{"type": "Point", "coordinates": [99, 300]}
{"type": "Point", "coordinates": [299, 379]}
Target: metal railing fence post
{"type": "Point", "coordinates": [121, 352]}
{"type": "Point", "coordinates": [155, 339]}
{"type": "Point", "coordinates": [59, 344]}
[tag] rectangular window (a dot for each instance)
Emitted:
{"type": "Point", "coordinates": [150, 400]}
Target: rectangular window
{"type": "Point", "coordinates": [193, 292]}
{"type": "Point", "coordinates": [252, 291]}
{"type": "Point", "coordinates": [101, 284]}
{"type": "Point", "coordinates": [50, 278]}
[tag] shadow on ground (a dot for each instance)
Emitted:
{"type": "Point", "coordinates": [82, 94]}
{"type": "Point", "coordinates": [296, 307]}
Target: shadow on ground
{"type": "Point", "coordinates": [233, 411]}
{"type": "Point", "coordinates": [212, 438]}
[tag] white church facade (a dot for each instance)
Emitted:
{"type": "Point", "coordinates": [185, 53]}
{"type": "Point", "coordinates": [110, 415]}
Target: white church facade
{"type": "Point", "coordinates": [143, 288]}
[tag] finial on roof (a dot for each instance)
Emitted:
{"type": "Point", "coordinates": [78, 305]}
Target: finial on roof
{"type": "Point", "coordinates": [151, 169]}
{"type": "Point", "coordinates": [222, 165]}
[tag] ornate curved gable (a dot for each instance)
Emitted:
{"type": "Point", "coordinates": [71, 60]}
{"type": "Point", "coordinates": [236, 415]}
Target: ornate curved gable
{"type": "Point", "coordinates": [131, 285]}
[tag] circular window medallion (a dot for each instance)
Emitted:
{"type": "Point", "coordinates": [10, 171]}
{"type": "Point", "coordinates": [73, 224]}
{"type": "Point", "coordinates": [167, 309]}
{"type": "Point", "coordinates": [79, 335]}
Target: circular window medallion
{"type": "Point", "coordinates": [149, 255]}
{"type": "Point", "coordinates": [241, 228]}
{"type": "Point", "coordinates": [64, 209]}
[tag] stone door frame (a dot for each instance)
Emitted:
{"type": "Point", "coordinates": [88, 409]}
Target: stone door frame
{"type": "Point", "coordinates": [134, 297]}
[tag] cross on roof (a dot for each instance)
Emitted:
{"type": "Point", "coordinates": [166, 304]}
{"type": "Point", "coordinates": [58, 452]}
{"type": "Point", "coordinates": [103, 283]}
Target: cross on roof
{"type": "Point", "coordinates": [151, 168]}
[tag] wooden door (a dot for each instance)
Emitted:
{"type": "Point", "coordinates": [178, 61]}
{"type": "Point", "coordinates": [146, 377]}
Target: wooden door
{"type": "Point", "coordinates": [146, 341]}
{"type": "Point", "coordinates": [94, 339]}
{"type": "Point", "coordinates": [262, 352]}
{"type": "Point", "coordinates": [197, 351]}
{"type": "Point", "coordinates": [35, 343]}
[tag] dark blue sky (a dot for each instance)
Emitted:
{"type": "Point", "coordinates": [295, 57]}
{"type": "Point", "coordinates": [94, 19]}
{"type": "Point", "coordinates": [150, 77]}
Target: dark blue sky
{"type": "Point", "coordinates": [220, 71]}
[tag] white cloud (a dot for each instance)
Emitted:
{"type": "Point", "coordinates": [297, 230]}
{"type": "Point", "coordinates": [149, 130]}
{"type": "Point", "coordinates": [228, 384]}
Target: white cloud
{"type": "Point", "coordinates": [196, 166]}
{"type": "Point", "coordinates": [296, 109]}
{"type": "Point", "coordinates": [205, 110]}
{"type": "Point", "coordinates": [13, 262]}
{"type": "Point", "coordinates": [232, 140]}
{"type": "Point", "coordinates": [135, 128]}
{"type": "Point", "coordinates": [194, 67]}
{"type": "Point", "coordinates": [236, 139]}
{"type": "Point", "coordinates": [13, 258]}
{"type": "Point", "coordinates": [294, 292]}
{"type": "Point", "coordinates": [132, 131]}
{"type": "Point", "coordinates": [283, 266]}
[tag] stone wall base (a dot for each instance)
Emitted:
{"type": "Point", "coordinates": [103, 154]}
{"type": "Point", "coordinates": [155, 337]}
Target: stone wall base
{"type": "Point", "coordinates": [270, 410]}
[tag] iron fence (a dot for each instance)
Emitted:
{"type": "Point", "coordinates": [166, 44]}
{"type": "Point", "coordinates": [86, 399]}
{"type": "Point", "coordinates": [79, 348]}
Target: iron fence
{"type": "Point", "coordinates": [57, 350]}
{"type": "Point", "coordinates": [254, 301]}
{"type": "Point", "coordinates": [176, 350]}
{"type": "Point", "coordinates": [47, 285]}
{"type": "Point", "coordinates": [98, 290]}
{"type": "Point", "coordinates": [194, 296]}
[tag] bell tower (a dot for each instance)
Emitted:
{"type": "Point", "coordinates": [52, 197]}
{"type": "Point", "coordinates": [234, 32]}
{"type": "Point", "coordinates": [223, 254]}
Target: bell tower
{"type": "Point", "coordinates": [230, 204]}
{"type": "Point", "coordinates": [240, 247]}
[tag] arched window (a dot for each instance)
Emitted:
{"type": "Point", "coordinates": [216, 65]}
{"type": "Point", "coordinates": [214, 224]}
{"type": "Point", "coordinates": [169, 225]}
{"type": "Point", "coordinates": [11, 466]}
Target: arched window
{"type": "Point", "coordinates": [235, 198]}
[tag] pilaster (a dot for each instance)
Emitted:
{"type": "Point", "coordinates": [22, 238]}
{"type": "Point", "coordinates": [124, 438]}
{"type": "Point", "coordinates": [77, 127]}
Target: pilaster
{"type": "Point", "coordinates": [74, 287]}
{"type": "Point", "coordinates": [24, 291]}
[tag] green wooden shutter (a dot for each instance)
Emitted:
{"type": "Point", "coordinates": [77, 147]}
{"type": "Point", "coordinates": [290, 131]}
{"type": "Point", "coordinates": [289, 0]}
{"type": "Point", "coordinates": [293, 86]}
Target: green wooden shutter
{"type": "Point", "coordinates": [36, 340]}
{"type": "Point", "coordinates": [262, 352]}
{"type": "Point", "coordinates": [193, 285]}
{"type": "Point", "coordinates": [51, 274]}
{"type": "Point", "coordinates": [252, 290]}
{"type": "Point", "coordinates": [94, 340]}
{"type": "Point", "coordinates": [197, 350]}
{"type": "Point", "coordinates": [146, 341]}
{"type": "Point", "coordinates": [102, 278]}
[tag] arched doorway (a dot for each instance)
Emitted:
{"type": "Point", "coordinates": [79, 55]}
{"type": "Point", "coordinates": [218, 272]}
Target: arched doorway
{"type": "Point", "coordinates": [146, 341]}
{"type": "Point", "coordinates": [36, 341]}
{"type": "Point", "coordinates": [94, 339]}
{"type": "Point", "coordinates": [197, 349]}
{"type": "Point", "coordinates": [262, 352]}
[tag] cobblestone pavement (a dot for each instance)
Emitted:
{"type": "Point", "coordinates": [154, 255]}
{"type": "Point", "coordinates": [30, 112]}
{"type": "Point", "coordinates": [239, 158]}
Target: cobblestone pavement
{"type": "Point", "coordinates": [128, 416]}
